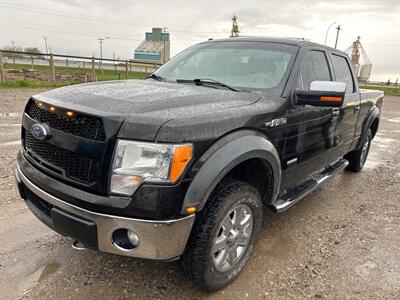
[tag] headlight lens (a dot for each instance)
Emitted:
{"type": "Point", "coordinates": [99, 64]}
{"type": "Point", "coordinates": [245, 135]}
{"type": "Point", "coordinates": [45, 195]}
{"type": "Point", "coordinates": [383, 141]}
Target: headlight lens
{"type": "Point", "coordinates": [135, 162]}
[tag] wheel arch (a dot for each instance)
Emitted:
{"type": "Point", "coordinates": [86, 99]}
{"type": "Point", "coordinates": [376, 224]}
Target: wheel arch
{"type": "Point", "coordinates": [370, 122]}
{"type": "Point", "coordinates": [235, 154]}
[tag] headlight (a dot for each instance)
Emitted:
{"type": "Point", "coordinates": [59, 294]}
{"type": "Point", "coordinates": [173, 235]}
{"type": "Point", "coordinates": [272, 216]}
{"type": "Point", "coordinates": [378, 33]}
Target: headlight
{"type": "Point", "coordinates": [135, 162]}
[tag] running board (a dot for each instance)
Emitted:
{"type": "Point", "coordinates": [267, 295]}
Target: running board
{"type": "Point", "coordinates": [294, 195]}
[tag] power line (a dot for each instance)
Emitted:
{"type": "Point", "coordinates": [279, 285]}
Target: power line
{"type": "Point", "coordinates": [61, 14]}
{"type": "Point", "coordinates": [382, 45]}
{"type": "Point", "coordinates": [49, 30]}
{"type": "Point", "coordinates": [127, 38]}
{"type": "Point", "coordinates": [41, 29]}
{"type": "Point", "coordinates": [92, 19]}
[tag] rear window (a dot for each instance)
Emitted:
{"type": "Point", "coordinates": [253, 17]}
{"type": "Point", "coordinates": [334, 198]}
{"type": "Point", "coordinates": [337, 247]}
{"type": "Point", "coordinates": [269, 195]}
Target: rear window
{"type": "Point", "coordinates": [343, 73]}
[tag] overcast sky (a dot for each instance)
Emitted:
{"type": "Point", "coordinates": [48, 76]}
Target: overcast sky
{"type": "Point", "coordinates": [73, 26]}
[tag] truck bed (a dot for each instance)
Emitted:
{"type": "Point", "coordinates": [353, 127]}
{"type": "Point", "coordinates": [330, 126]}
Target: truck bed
{"type": "Point", "coordinates": [371, 94]}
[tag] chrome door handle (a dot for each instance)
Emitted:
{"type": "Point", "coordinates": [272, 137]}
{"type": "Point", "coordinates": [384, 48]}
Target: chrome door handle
{"type": "Point", "coordinates": [335, 111]}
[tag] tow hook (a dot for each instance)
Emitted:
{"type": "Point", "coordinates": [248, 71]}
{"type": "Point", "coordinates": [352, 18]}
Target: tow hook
{"type": "Point", "coordinates": [78, 246]}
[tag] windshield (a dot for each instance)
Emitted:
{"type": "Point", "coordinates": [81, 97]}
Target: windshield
{"type": "Point", "coordinates": [250, 65]}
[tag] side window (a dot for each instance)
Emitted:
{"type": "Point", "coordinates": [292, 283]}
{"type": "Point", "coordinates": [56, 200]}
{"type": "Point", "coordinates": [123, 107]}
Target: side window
{"type": "Point", "coordinates": [314, 67]}
{"type": "Point", "coordinates": [343, 73]}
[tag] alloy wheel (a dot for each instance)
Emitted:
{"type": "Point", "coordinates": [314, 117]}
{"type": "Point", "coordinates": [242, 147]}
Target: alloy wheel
{"type": "Point", "coordinates": [232, 238]}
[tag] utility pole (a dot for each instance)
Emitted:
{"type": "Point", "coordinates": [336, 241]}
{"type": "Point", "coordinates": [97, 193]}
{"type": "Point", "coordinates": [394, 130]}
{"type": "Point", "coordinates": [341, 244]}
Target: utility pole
{"type": "Point", "coordinates": [338, 28]}
{"type": "Point", "coordinates": [45, 44]}
{"type": "Point", "coordinates": [101, 41]}
{"type": "Point", "coordinates": [163, 37]}
{"type": "Point", "coordinates": [2, 73]}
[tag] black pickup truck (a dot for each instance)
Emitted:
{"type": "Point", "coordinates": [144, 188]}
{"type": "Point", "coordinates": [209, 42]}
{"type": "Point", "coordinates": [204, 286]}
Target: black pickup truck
{"type": "Point", "coordinates": [180, 165]}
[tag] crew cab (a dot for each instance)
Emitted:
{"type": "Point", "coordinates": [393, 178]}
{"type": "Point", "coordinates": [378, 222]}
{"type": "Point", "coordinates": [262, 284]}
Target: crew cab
{"type": "Point", "coordinates": [180, 165]}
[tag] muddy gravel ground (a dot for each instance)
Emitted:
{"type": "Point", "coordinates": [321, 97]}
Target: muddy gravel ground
{"type": "Point", "coordinates": [341, 242]}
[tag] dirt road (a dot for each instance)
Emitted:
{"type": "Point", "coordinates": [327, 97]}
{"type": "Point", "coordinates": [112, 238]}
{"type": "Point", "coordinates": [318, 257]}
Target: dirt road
{"type": "Point", "coordinates": [341, 242]}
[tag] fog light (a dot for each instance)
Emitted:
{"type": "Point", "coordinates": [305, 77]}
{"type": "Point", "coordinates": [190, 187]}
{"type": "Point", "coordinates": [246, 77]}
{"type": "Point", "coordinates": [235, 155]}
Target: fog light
{"type": "Point", "coordinates": [125, 240]}
{"type": "Point", "coordinates": [133, 238]}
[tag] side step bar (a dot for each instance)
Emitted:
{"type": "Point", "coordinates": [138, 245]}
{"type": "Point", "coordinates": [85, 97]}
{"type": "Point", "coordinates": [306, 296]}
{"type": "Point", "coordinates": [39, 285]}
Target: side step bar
{"type": "Point", "coordinates": [296, 194]}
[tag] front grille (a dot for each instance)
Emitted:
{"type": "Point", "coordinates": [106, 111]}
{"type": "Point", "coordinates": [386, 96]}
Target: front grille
{"type": "Point", "coordinates": [60, 160]}
{"type": "Point", "coordinates": [84, 126]}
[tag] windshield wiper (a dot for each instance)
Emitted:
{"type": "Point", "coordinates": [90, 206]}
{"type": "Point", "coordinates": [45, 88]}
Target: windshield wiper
{"type": "Point", "coordinates": [156, 77]}
{"type": "Point", "coordinates": [207, 81]}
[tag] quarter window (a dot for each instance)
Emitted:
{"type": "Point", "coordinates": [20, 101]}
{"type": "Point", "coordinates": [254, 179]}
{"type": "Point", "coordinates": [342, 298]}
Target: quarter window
{"type": "Point", "coordinates": [314, 67]}
{"type": "Point", "coordinates": [343, 73]}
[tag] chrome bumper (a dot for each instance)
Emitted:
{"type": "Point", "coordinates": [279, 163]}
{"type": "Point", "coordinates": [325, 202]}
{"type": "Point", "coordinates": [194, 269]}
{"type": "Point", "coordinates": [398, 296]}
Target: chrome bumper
{"type": "Point", "coordinates": [159, 240]}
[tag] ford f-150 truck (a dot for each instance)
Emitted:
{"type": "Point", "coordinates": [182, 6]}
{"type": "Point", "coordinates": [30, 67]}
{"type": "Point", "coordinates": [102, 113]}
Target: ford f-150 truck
{"type": "Point", "coordinates": [181, 164]}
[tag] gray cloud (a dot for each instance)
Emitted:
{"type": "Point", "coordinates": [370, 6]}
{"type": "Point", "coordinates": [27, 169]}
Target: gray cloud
{"type": "Point", "coordinates": [73, 26]}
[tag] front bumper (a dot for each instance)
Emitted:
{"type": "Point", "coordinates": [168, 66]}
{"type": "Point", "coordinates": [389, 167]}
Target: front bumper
{"type": "Point", "coordinates": [158, 240]}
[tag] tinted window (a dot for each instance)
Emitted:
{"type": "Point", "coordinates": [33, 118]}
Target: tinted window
{"type": "Point", "coordinates": [343, 73]}
{"type": "Point", "coordinates": [314, 67]}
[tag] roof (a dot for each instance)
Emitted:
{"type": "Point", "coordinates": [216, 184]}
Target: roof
{"type": "Point", "coordinates": [151, 46]}
{"type": "Point", "coordinates": [287, 41]}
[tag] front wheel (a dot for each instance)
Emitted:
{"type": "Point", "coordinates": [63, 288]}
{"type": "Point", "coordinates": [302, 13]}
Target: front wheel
{"type": "Point", "coordinates": [224, 236]}
{"type": "Point", "coordinates": [357, 158]}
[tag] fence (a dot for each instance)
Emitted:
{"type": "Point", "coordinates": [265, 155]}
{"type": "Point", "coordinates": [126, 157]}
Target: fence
{"type": "Point", "coordinates": [60, 67]}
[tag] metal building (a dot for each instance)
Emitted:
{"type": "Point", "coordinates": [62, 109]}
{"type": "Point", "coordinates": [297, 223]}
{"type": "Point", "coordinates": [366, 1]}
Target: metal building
{"type": "Point", "coordinates": [155, 47]}
{"type": "Point", "coordinates": [360, 61]}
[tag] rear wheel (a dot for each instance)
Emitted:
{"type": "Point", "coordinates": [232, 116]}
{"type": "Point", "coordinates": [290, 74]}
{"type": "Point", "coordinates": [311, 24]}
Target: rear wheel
{"type": "Point", "coordinates": [357, 158]}
{"type": "Point", "coordinates": [224, 236]}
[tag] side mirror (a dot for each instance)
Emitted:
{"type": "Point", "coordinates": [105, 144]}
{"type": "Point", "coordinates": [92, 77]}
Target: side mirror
{"type": "Point", "coordinates": [322, 93]}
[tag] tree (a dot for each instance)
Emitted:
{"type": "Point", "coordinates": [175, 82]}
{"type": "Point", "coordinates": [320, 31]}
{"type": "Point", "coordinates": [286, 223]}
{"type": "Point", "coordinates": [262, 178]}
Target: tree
{"type": "Point", "coordinates": [12, 48]}
{"type": "Point", "coordinates": [33, 50]}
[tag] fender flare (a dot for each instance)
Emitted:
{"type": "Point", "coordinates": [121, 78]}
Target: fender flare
{"type": "Point", "coordinates": [372, 116]}
{"type": "Point", "coordinates": [224, 159]}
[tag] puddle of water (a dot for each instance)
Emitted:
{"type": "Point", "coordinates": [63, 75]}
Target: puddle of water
{"type": "Point", "coordinates": [47, 270]}
{"type": "Point", "coordinates": [371, 163]}
{"type": "Point", "coordinates": [394, 120]}
{"type": "Point", "coordinates": [10, 125]}
{"type": "Point", "coordinates": [278, 248]}
{"type": "Point", "coordinates": [383, 140]}
{"type": "Point", "coordinates": [10, 114]}
{"type": "Point", "coordinates": [12, 143]}
{"type": "Point", "coordinates": [40, 274]}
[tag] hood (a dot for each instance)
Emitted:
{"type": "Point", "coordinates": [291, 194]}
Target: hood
{"type": "Point", "coordinates": [145, 97]}
{"type": "Point", "coordinates": [145, 105]}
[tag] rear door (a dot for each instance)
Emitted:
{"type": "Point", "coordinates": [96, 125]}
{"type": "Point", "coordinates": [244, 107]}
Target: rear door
{"type": "Point", "coordinates": [345, 117]}
{"type": "Point", "coordinates": [309, 130]}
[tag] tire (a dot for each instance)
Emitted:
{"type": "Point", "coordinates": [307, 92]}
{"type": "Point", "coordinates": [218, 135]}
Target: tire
{"type": "Point", "coordinates": [357, 158]}
{"type": "Point", "coordinates": [215, 228]}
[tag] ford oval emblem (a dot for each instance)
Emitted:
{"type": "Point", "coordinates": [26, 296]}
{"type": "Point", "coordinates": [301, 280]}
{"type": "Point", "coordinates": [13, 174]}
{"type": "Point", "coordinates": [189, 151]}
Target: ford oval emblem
{"type": "Point", "coordinates": [40, 131]}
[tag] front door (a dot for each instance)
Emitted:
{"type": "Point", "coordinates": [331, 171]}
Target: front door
{"type": "Point", "coordinates": [309, 130]}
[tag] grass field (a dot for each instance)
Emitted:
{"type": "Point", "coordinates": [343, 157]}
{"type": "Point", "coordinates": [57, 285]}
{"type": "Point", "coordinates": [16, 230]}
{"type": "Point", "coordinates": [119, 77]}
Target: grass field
{"type": "Point", "coordinates": [389, 90]}
{"type": "Point", "coordinates": [34, 84]}
{"type": "Point", "coordinates": [102, 75]}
